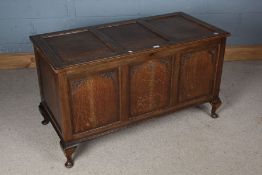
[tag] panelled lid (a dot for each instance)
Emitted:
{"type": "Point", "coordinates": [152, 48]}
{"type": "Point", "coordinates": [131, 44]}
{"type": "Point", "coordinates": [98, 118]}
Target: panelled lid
{"type": "Point", "coordinates": [82, 45]}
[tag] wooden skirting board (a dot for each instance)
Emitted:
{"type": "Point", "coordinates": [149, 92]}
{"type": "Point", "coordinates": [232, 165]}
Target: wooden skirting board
{"type": "Point", "coordinates": [27, 60]}
{"type": "Point", "coordinates": [17, 60]}
{"type": "Point", "coordinates": [237, 53]}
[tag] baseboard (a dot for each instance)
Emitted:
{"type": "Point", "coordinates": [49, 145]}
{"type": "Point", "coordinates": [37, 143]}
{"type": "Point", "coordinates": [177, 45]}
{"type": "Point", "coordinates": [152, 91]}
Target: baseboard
{"type": "Point", "coordinates": [233, 53]}
{"type": "Point", "coordinates": [17, 60]}
{"type": "Point", "coordinates": [238, 53]}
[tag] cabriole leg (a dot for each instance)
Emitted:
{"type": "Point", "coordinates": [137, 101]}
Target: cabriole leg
{"type": "Point", "coordinates": [43, 112]}
{"type": "Point", "coordinates": [69, 155]}
{"type": "Point", "coordinates": [216, 103]}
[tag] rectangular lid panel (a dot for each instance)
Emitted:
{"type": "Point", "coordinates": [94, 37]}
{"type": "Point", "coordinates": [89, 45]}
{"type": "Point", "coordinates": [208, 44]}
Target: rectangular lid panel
{"type": "Point", "coordinates": [179, 28]}
{"type": "Point", "coordinates": [78, 47]}
{"type": "Point", "coordinates": [133, 36]}
{"type": "Point", "coordinates": [67, 48]}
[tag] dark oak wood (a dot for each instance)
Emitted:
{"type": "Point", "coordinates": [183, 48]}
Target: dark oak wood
{"type": "Point", "coordinates": [150, 83]}
{"type": "Point", "coordinates": [94, 80]}
{"type": "Point", "coordinates": [44, 114]}
{"type": "Point", "coordinates": [68, 154]}
{"type": "Point", "coordinates": [216, 103]}
{"type": "Point", "coordinates": [93, 96]}
{"type": "Point", "coordinates": [197, 67]}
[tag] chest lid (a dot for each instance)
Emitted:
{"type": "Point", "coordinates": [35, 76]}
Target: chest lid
{"type": "Point", "coordinates": [96, 43]}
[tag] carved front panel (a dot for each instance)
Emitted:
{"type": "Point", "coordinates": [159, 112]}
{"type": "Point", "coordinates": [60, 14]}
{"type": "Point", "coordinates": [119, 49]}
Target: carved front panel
{"type": "Point", "coordinates": [197, 74]}
{"type": "Point", "coordinates": [94, 101]}
{"type": "Point", "coordinates": [149, 85]}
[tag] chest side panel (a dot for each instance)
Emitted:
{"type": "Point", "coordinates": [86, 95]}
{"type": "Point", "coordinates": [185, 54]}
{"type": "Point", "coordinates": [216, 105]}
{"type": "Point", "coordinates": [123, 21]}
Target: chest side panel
{"type": "Point", "coordinates": [197, 72]}
{"type": "Point", "coordinates": [149, 85]}
{"type": "Point", "coordinates": [94, 100]}
{"type": "Point", "coordinates": [49, 87]}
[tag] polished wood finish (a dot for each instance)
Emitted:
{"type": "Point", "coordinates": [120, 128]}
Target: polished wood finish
{"type": "Point", "coordinates": [149, 85]}
{"type": "Point", "coordinates": [94, 80]}
{"type": "Point", "coordinates": [68, 154]}
{"type": "Point", "coordinates": [94, 100]}
{"type": "Point", "coordinates": [197, 68]}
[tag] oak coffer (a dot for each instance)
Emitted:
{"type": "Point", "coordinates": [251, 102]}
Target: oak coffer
{"type": "Point", "coordinates": [96, 79]}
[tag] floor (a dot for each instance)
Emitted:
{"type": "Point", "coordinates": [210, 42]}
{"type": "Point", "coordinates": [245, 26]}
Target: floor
{"type": "Point", "coordinates": [187, 142]}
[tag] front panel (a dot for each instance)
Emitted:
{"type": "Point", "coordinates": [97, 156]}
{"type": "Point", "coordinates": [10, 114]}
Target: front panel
{"type": "Point", "coordinates": [150, 83]}
{"type": "Point", "coordinates": [94, 100]}
{"type": "Point", "coordinates": [197, 69]}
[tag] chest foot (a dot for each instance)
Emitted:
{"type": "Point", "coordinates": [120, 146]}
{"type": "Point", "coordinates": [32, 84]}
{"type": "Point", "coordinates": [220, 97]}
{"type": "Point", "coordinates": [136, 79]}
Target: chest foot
{"type": "Point", "coordinates": [216, 103]}
{"type": "Point", "coordinates": [43, 113]}
{"type": "Point", "coordinates": [69, 155]}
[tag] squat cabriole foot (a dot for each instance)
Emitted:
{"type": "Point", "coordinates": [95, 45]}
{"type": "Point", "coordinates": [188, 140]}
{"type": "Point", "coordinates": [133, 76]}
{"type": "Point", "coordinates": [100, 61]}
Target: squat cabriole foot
{"type": "Point", "coordinates": [43, 112]}
{"type": "Point", "coordinates": [216, 103]}
{"type": "Point", "coordinates": [68, 154]}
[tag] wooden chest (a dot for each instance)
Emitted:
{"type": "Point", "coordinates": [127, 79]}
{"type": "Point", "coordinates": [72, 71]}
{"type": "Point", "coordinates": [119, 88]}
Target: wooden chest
{"type": "Point", "coordinates": [96, 79]}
